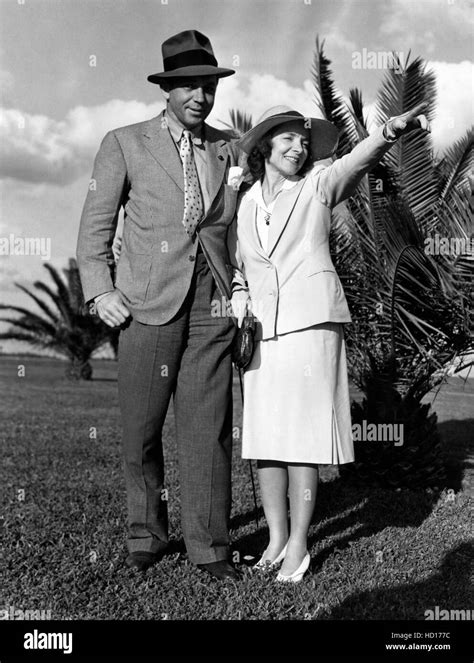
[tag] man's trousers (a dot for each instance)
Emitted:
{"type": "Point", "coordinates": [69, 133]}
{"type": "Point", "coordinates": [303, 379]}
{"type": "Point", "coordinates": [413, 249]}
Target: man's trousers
{"type": "Point", "coordinates": [189, 357]}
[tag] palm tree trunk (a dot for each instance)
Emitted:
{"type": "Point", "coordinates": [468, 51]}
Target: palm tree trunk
{"type": "Point", "coordinates": [79, 369]}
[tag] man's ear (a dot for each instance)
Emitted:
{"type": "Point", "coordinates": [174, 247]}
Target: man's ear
{"type": "Point", "coordinates": [165, 88]}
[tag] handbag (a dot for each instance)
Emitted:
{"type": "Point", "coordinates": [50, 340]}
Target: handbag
{"type": "Point", "coordinates": [244, 343]}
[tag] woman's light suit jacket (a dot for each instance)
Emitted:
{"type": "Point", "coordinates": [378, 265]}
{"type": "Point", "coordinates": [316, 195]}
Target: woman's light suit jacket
{"type": "Point", "coordinates": [293, 284]}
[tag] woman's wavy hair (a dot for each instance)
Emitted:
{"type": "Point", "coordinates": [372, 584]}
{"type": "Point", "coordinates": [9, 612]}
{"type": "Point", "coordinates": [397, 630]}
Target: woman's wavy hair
{"type": "Point", "coordinates": [261, 152]}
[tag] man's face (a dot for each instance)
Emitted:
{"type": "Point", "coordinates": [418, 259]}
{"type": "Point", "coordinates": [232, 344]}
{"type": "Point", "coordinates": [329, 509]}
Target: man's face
{"type": "Point", "coordinates": [190, 100]}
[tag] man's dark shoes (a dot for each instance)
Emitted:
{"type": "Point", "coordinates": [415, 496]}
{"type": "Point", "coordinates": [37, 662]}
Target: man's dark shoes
{"type": "Point", "coordinates": [221, 570]}
{"type": "Point", "coordinates": [142, 560]}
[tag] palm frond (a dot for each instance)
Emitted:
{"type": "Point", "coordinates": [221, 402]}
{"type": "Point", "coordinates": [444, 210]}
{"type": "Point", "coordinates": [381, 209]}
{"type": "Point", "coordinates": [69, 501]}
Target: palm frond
{"type": "Point", "coordinates": [63, 296]}
{"type": "Point", "coordinates": [63, 307]}
{"type": "Point", "coordinates": [29, 320]}
{"type": "Point", "coordinates": [331, 104]}
{"type": "Point", "coordinates": [71, 330]}
{"type": "Point", "coordinates": [326, 94]}
{"type": "Point", "coordinates": [74, 286]}
{"type": "Point", "coordinates": [42, 305]}
{"type": "Point", "coordinates": [455, 168]}
{"type": "Point", "coordinates": [30, 338]}
{"type": "Point", "coordinates": [411, 158]}
{"type": "Point", "coordinates": [240, 122]}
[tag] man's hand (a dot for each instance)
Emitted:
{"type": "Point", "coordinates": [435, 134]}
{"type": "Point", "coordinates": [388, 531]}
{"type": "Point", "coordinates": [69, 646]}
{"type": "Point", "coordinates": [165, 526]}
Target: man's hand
{"type": "Point", "coordinates": [403, 124]}
{"type": "Point", "coordinates": [112, 310]}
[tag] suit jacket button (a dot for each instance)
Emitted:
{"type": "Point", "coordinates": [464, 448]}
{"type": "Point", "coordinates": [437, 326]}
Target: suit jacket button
{"type": "Point", "coordinates": [191, 258]}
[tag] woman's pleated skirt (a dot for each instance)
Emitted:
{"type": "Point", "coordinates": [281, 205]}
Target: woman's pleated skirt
{"type": "Point", "coordinates": [296, 405]}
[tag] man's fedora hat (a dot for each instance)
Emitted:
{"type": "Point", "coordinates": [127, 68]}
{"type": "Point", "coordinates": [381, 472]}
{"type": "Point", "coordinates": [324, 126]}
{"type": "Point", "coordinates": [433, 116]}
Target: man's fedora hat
{"type": "Point", "coordinates": [188, 53]}
{"type": "Point", "coordinates": [324, 134]}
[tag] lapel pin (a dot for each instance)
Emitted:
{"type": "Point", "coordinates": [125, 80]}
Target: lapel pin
{"type": "Point", "coordinates": [220, 157]}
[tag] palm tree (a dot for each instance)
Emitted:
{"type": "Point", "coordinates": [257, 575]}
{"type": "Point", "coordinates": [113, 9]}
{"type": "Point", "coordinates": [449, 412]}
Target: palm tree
{"type": "Point", "coordinates": [410, 309]}
{"type": "Point", "coordinates": [65, 325]}
{"type": "Point", "coordinates": [240, 122]}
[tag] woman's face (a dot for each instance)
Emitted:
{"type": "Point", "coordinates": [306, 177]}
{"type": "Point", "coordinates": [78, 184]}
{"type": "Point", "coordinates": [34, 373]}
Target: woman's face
{"type": "Point", "coordinates": [290, 147]}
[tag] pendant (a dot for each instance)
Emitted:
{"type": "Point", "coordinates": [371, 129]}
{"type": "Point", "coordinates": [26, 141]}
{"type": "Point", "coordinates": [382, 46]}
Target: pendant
{"type": "Point", "coordinates": [266, 218]}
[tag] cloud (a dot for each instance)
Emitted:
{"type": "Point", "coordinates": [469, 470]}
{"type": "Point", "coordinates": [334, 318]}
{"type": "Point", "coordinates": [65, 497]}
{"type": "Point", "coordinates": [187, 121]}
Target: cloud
{"type": "Point", "coordinates": [422, 23]}
{"type": "Point", "coordinates": [256, 93]}
{"type": "Point", "coordinates": [334, 38]}
{"type": "Point", "coordinates": [336, 31]}
{"type": "Point", "coordinates": [454, 101]}
{"type": "Point", "coordinates": [453, 107]}
{"type": "Point", "coordinates": [36, 148]}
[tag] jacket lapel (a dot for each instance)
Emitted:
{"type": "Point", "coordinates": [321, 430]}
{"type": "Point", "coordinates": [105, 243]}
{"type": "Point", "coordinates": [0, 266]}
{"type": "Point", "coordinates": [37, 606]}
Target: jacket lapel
{"type": "Point", "coordinates": [281, 213]}
{"type": "Point", "coordinates": [248, 214]}
{"type": "Point", "coordinates": [160, 144]}
{"type": "Point", "coordinates": [217, 155]}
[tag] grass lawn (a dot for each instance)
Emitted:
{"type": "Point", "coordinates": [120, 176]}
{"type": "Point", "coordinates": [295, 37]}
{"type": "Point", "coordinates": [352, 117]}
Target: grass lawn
{"type": "Point", "coordinates": [376, 554]}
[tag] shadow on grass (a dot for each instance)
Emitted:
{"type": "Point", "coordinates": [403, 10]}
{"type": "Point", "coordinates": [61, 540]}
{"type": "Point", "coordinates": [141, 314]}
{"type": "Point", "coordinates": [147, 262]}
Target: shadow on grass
{"type": "Point", "coordinates": [342, 506]}
{"type": "Point", "coordinates": [447, 589]}
{"type": "Point", "coordinates": [376, 508]}
{"type": "Point", "coordinates": [250, 544]}
{"type": "Point", "coordinates": [364, 511]}
{"type": "Point", "coordinates": [456, 441]}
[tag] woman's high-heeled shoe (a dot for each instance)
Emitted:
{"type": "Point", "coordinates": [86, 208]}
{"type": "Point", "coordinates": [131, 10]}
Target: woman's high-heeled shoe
{"type": "Point", "coordinates": [267, 564]}
{"type": "Point", "coordinates": [297, 575]}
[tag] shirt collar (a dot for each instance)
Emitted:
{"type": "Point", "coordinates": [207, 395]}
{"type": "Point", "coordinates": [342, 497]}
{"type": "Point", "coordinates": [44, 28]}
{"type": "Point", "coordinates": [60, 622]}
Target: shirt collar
{"type": "Point", "coordinates": [176, 131]}
{"type": "Point", "coordinates": [255, 191]}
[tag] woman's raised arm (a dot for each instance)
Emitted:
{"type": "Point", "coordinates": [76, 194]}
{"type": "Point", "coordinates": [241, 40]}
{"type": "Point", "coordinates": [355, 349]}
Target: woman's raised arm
{"type": "Point", "coordinates": [338, 181]}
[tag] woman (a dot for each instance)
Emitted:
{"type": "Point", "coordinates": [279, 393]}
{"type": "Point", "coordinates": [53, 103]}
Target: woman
{"type": "Point", "coordinates": [297, 409]}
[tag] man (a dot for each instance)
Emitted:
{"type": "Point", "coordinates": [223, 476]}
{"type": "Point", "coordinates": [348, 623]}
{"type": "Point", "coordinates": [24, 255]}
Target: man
{"type": "Point", "coordinates": [170, 175]}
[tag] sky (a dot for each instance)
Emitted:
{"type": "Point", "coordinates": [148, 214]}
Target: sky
{"type": "Point", "coordinates": [71, 70]}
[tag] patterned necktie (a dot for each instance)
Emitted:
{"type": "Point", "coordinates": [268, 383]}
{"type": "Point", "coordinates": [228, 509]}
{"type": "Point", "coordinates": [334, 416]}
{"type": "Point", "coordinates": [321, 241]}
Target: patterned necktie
{"type": "Point", "coordinates": [193, 207]}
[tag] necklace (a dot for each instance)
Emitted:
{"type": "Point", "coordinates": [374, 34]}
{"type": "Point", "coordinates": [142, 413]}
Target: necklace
{"type": "Point", "coordinates": [268, 214]}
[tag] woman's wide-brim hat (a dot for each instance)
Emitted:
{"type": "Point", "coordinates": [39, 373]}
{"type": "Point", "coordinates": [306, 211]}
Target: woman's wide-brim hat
{"type": "Point", "coordinates": [323, 134]}
{"type": "Point", "coordinates": [188, 54]}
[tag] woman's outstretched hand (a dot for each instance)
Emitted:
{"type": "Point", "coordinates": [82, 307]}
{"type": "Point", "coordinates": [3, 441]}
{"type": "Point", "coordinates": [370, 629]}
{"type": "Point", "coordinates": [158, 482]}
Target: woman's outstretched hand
{"type": "Point", "coordinates": [402, 124]}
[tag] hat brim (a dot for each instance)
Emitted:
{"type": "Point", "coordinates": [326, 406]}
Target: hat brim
{"type": "Point", "coordinates": [324, 134]}
{"type": "Point", "coordinates": [191, 71]}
